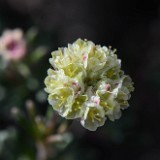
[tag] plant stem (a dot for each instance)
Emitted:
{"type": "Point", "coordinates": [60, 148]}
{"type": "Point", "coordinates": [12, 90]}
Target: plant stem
{"type": "Point", "coordinates": [41, 151]}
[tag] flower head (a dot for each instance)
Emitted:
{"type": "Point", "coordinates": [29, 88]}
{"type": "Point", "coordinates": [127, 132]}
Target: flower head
{"type": "Point", "coordinates": [12, 45]}
{"type": "Point", "coordinates": [87, 82]}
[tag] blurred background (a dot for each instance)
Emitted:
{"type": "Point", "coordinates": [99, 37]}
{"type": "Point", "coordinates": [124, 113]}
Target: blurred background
{"type": "Point", "coordinates": [132, 27]}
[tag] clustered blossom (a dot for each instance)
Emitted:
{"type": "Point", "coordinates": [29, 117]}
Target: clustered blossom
{"type": "Point", "coordinates": [87, 82]}
{"type": "Point", "coordinates": [12, 45]}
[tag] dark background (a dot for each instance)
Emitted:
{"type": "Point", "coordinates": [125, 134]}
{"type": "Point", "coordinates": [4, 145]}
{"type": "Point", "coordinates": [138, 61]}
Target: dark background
{"type": "Point", "coordinates": [133, 28]}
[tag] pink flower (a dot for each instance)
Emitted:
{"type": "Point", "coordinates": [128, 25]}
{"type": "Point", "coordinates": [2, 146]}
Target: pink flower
{"type": "Point", "coordinates": [12, 45]}
{"type": "Point", "coordinates": [108, 87]}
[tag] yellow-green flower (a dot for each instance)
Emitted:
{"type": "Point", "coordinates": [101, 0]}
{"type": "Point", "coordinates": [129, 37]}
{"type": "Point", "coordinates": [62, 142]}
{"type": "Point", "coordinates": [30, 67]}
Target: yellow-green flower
{"type": "Point", "coordinates": [87, 82]}
{"type": "Point", "coordinates": [93, 117]}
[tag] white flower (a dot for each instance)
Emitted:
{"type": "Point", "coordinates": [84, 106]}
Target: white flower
{"type": "Point", "coordinates": [87, 83]}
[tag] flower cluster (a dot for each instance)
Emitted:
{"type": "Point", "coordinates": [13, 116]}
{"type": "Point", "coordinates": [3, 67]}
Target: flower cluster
{"type": "Point", "coordinates": [87, 82]}
{"type": "Point", "coordinates": [12, 45]}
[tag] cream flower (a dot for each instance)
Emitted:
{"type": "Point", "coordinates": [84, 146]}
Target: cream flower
{"type": "Point", "coordinates": [87, 83]}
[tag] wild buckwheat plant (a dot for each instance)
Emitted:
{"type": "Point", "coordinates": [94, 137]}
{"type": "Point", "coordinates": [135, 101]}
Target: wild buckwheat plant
{"type": "Point", "coordinates": [87, 82]}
